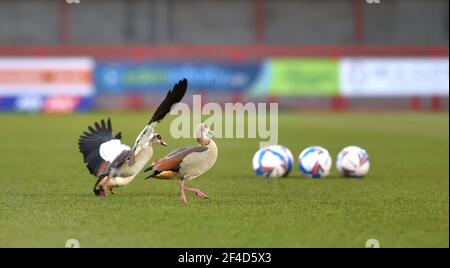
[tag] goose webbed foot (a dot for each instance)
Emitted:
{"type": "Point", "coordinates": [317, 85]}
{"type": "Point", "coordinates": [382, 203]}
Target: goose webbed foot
{"type": "Point", "coordinates": [197, 192]}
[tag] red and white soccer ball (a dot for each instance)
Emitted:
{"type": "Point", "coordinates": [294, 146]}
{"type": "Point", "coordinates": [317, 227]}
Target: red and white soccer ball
{"type": "Point", "coordinates": [315, 162]}
{"type": "Point", "coordinates": [353, 162]}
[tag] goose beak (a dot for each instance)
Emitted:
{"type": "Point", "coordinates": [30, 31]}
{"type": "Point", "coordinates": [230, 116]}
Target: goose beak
{"type": "Point", "coordinates": [147, 169]}
{"type": "Point", "coordinates": [163, 143]}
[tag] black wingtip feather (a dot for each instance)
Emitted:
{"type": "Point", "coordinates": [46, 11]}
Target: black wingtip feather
{"type": "Point", "coordinates": [118, 136]}
{"type": "Point", "coordinates": [173, 96]}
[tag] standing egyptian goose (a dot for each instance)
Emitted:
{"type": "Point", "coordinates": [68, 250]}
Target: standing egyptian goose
{"type": "Point", "coordinates": [115, 164]}
{"type": "Point", "coordinates": [188, 163]}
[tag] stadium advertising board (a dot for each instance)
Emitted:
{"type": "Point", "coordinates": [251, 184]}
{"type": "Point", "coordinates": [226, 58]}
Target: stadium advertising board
{"type": "Point", "coordinates": [128, 76]}
{"type": "Point", "coordinates": [394, 76]}
{"type": "Point", "coordinates": [55, 84]}
{"type": "Point", "coordinates": [358, 76]}
{"type": "Point", "coordinates": [304, 77]}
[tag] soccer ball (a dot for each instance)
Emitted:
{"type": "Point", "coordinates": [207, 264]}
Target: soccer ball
{"type": "Point", "coordinates": [353, 161]}
{"type": "Point", "coordinates": [273, 161]}
{"type": "Point", "coordinates": [315, 162]}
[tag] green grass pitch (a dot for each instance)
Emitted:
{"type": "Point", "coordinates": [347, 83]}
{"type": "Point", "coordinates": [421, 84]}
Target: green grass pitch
{"type": "Point", "coordinates": [46, 192]}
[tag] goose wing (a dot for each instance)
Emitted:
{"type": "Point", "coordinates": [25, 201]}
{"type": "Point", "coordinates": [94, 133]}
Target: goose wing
{"type": "Point", "coordinates": [172, 161]}
{"type": "Point", "coordinates": [173, 96]}
{"type": "Point", "coordinates": [92, 140]}
{"type": "Point", "coordinates": [117, 162]}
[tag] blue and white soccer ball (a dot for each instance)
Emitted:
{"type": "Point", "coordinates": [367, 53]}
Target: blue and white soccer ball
{"type": "Point", "coordinates": [353, 161]}
{"type": "Point", "coordinates": [273, 161]}
{"type": "Point", "coordinates": [315, 162]}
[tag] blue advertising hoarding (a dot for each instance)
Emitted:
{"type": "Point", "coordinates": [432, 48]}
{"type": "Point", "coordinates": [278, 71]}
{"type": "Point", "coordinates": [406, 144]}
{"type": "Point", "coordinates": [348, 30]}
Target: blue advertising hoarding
{"type": "Point", "coordinates": [131, 76]}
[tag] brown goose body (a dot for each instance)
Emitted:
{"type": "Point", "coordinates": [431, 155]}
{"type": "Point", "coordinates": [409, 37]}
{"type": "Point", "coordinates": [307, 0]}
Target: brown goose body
{"type": "Point", "coordinates": [188, 163]}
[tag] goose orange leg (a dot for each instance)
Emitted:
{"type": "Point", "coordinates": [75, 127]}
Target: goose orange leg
{"type": "Point", "coordinates": [183, 198]}
{"type": "Point", "coordinates": [106, 189]}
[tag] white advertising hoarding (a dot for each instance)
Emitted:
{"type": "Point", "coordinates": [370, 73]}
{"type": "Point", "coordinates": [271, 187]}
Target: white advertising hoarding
{"type": "Point", "coordinates": [50, 76]}
{"type": "Point", "coordinates": [367, 76]}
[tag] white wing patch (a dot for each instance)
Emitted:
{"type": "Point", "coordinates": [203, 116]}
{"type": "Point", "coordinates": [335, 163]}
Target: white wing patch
{"type": "Point", "coordinates": [111, 149]}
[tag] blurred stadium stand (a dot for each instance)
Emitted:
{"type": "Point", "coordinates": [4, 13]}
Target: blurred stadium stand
{"type": "Point", "coordinates": [243, 35]}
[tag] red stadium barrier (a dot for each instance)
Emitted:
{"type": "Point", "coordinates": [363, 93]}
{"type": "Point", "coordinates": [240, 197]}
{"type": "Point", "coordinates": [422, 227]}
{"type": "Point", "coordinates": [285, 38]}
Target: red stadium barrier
{"type": "Point", "coordinates": [133, 102]}
{"type": "Point", "coordinates": [339, 103]}
{"type": "Point", "coordinates": [416, 103]}
{"type": "Point", "coordinates": [220, 52]}
{"type": "Point", "coordinates": [436, 103]}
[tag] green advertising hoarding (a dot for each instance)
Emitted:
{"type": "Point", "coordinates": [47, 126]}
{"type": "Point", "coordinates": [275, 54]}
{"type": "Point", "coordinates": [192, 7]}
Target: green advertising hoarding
{"type": "Point", "coordinates": [304, 77]}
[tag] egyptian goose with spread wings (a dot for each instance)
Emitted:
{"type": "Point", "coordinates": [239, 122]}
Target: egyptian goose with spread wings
{"type": "Point", "coordinates": [115, 164]}
{"type": "Point", "coordinates": [188, 163]}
